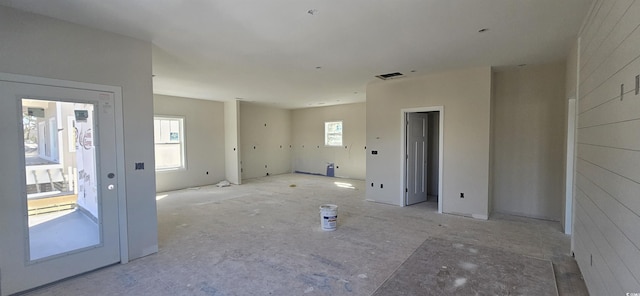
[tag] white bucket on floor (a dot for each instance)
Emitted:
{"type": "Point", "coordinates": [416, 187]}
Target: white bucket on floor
{"type": "Point", "coordinates": [328, 217]}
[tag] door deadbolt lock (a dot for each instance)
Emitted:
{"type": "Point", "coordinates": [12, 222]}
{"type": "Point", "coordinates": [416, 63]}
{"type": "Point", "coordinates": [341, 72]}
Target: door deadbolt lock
{"type": "Point", "coordinates": [111, 175]}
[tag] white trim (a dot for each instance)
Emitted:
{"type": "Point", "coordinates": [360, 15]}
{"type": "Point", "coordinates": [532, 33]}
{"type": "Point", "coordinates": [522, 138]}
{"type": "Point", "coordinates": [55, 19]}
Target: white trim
{"type": "Point", "coordinates": [403, 149]}
{"type": "Point", "coordinates": [122, 180]}
{"type": "Point", "coordinates": [577, 96]}
{"type": "Point", "coordinates": [570, 164]}
{"type": "Point", "coordinates": [117, 93]}
{"type": "Point", "coordinates": [479, 216]}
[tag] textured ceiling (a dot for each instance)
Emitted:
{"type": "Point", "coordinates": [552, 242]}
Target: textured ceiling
{"type": "Point", "coordinates": [281, 53]}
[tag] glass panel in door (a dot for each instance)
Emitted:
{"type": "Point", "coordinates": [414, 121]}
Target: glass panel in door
{"type": "Point", "coordinates": [62, 194]}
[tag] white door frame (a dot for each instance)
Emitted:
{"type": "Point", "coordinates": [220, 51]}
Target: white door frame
{"type": "Point", "coordinates": [403, 149]}
{"type": "Point", "coordinates": [119, 129]}
{"type": "Point", "coordinates": [570, 164]}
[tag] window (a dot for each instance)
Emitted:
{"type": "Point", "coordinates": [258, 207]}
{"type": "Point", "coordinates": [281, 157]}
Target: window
{"type": "Point", "coordinates": [333, 133]}
{"type": "Point", "coordinates": [169, 142]}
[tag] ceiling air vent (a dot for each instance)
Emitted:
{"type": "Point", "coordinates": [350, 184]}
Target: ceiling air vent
{"type": "Point", "coordinates": [390, 76]}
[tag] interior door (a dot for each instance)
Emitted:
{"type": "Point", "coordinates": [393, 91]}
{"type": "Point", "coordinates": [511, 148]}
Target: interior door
{"type": "Point", "coordinates": [39, 248]}
{"type": "Point", "coordinates": [416, 175]}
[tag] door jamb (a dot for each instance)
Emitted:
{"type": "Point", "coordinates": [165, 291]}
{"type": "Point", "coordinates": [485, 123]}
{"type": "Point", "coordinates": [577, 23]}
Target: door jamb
{"type": "Point", "coordinates": [119, 128]}
{"type": "Point", "coordinates": [570, 164]}
{"type": "Point", "coordinates": [403, 149]}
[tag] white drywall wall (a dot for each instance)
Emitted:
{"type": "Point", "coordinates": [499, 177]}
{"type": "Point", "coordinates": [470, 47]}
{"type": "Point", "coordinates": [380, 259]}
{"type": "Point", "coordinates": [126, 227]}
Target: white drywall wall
{"type": "Point", "coordinates": [232, 141]}
{"type": "Point", "coordinates": [204, 137]}
{"type": "Point", "coordinates": [529, 118]}
{"type": "Point", "coordinates": [310, 155]}
{"type": "Point", "coordinates": [40, 46]}
{"type": "Point", "coordinates": [265, 137]}
{"type": "Point", "coordinates": [607, 203]}
{"type": "Point", "coordinates": [465, 95]}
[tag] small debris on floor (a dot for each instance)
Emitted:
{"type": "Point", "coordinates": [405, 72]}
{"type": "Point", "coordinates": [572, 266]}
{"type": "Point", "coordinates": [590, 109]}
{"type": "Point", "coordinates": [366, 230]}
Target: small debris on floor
{"type": "Point", "coordinates": [468, 266]}
{"type": "Point", "coordinates": [292, 185]}
{"type": "Point", "coordinates": [460, 281]}
{"type": "Point", "coordinates": [308, 290]}
{"type": "Point", "coordinates": [224, 183]}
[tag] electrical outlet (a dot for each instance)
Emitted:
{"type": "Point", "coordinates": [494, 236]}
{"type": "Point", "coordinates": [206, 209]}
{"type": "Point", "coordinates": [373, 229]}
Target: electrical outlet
{"type": "Point", "coordinates": [461, 194]}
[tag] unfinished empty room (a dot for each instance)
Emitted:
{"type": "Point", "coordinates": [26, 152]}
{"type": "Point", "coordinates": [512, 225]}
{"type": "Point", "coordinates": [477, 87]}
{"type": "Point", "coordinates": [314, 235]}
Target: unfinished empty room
{"type": "Point", "coordinates": [412, 147]}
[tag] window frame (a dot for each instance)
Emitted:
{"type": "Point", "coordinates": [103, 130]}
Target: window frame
{"type": "Point", "coordinates": [182, 141]}
{"type": "Point", "coordinates": [326, 133]}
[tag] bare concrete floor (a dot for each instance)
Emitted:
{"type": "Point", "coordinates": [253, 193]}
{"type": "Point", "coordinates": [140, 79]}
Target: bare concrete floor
{"type": "Point", "coordinates": [264, 238]}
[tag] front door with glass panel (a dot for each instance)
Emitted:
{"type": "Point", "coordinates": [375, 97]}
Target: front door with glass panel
{"type": "Point", "coordinates": [58, 196]}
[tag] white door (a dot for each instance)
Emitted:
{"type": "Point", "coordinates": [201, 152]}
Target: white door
{"type": "Point", "coordinates": [40, 245]}
{"type": "Point", "coordinates": [416, 190]}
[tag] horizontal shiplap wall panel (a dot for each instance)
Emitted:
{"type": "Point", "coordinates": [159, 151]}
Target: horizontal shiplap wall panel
{"type": "Point", "coordinates": [613, 111]}
{"type": "Point", "coordinates": [598, 267]}
{"type": "Point", "coordinates": [615, 11]}
{"type": "Point", "coordinates": [618, 228]}
{"type": "Point", "coordinates": [609, 91]}
{"type": "Point", "coordinates": [622, 162]}
{"type": "Point", "coordinates": [606, 262]}
{"type": "Point", "coordinates": [624, 190]}
{"type": "Point", "coordinates": [583, 252]}
{"type": "Point", "coordinates": [607, 212]}
{"type": "Point", "coordinates": [613, 31]}
{"type": "Point", "coordinates": [603, 64]}
{"type": "Point", "coordinates": [622, 135]}
{"type": "Point", "coordinates": [596, 17]}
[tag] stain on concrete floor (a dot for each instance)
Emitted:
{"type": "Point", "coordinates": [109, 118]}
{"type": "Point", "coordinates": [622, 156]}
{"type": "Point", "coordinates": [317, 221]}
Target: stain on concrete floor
{"type": "Point", "coordinates": [443, 267]}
